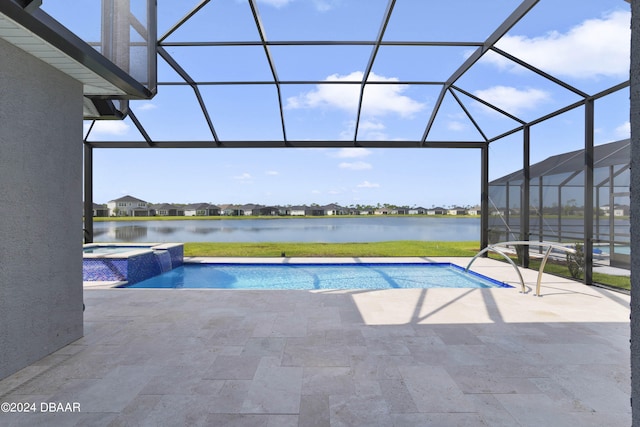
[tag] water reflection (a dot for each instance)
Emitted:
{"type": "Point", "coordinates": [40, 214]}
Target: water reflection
{"type": "Point", "coordinates": [128, 233]}
{"type": "Point", "coordinates": [327, 230]}
{"type": "Point", "coordinates": [165, 230]}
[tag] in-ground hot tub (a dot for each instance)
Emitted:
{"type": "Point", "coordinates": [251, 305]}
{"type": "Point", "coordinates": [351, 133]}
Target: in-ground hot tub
{"type": "Point", "coordinates": [129, 262]}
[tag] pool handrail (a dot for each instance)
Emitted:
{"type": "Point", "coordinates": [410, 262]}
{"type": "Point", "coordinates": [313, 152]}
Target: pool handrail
{"type": "Point", "coordinates": [549, 245]}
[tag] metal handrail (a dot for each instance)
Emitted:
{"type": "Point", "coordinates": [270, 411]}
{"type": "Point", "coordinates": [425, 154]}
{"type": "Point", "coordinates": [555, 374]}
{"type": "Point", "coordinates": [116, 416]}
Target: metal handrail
{"type": "Point", "coordinates": [549, 245]}
{"type": "Point", "coordinates": [494, 249]}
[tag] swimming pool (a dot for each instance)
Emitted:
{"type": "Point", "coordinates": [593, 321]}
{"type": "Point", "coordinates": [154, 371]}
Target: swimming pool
{"type": "Point", "coordinates": [319, 276]}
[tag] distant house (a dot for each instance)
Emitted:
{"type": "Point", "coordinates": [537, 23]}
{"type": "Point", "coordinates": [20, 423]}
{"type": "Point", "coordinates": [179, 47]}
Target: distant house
{"type": "Point", "coordinates": [297, 210]}
{"type": "Point", "coordinates": [476, 210]}
{"type": "Point", "coordinates": [167, 209]}
{"type": "Point", "coordinates": [201, 209]}
{"type": "Point", "coordinates": [382, 211]}
{"type": "Point", "coordinates": [618, 210]}
{"type": "Point", "coordinates": [333, 209]}
{"type": "Point", "coordinates": [128, 206]}
{"type": "Point", "coordinates": [316, 210]}
{"type": "Point", "coordinates": [100, 210]}
{"type": "Point", "coordinates": [267, 211]}
{"type": "Point", "coordinates": [229, 210]}
{"type": "Point", "coordinates": [246, 209]}
{"type": "Point", "coordinates": [417, 211]}
{"type": "Point", "coordinates": [457, 211]}
{"type": "Point", "coordinates": [436, 211]}
{"type": "Point", "coordinates": [253, 209]}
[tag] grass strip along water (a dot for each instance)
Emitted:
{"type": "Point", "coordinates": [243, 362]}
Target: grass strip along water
{"type": "Point", "coordinates": [369, 249]}
{"type": "Point", "coordinates": [374, 249]}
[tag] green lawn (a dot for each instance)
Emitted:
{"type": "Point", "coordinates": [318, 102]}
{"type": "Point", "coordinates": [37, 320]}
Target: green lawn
{"type": "Point", "coordinates": [382, 249]}
{"type": "Point", "coordinates": [560, 269]}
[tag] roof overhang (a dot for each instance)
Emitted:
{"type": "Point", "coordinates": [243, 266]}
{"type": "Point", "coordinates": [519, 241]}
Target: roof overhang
{"type": "Point", "coordinates": [37, 33]}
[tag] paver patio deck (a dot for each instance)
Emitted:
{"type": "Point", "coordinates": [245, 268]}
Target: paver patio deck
{"type": "Point", "coordinates": [401, 357]}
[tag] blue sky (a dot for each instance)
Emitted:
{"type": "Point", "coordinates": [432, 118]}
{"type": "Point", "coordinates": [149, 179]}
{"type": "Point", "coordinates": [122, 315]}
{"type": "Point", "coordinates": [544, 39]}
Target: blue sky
{"type": "Point", "coordinates": [585, 43]}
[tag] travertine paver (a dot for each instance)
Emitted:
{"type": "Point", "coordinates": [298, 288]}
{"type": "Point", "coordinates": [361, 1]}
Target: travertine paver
{"type": "Point", "coordinates": [402, 357]}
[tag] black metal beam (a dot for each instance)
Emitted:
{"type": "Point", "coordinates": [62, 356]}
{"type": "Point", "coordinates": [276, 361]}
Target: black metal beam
{"type": "Point", "coordinates": [88, 194]}
{"type": "Point", "coordinates": [589, 120]}
{"type": "Point", "coordinates": [272, 65]}
{"type": "Point", "coordinates": [469, 116]}
{"type": "Point", "coordinates": [320, 43]}
{"type": "Point", "coordinates": [183, 20]}
{"type": "Point", "coordinates": [539, 72]}
{"type": "Point", "coordinates": [372, 58]}
{"type": "Point", "coordinates": [303, 82]}
{"type": "Point", "coordinates": [488, 104]}
{"type": "Point", "coordinates": [515, 16]}
{"type": "Point", "coordinates": [508, 23]}
{"type": "Point", "coordinates": [525, 227]}
{"type": "Point", "coordinates": [434, 113]}
{"type": "Point", "coordinates": [292, 144]}
{"type": "Point", "coordinates": [187, 78]}
{"type": "Point", "coordinates": [484, 197]}
{"type": "Point", "coordinates": [140, 128]}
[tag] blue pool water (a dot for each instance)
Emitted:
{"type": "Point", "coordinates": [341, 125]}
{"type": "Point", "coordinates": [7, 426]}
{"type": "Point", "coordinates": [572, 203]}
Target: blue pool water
{"type": "Point", "coordinates": [319, 276]}
{"type": "Point", "coordinates": [619, 249]}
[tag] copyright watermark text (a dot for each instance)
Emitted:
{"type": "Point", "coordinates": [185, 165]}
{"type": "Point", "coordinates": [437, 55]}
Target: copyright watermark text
{"type": "Point", "coordinates": [39, 407]}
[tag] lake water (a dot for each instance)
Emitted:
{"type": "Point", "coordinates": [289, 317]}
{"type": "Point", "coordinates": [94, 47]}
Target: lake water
{"type": "Point", "coordinates": [325, 230]}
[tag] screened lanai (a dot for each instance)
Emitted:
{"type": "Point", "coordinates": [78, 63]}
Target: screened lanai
{"type": "Point", "coordinates": [511, 82]}
{"type": "Point", "coordinates": [556, 205]}
{"type": "Point", "coordinates": [515, 81]}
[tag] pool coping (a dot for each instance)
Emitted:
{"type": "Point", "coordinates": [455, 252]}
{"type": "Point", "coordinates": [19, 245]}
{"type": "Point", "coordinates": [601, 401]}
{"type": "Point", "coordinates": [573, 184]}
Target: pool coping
{"type": "Point", "coordinates": [135, 249]}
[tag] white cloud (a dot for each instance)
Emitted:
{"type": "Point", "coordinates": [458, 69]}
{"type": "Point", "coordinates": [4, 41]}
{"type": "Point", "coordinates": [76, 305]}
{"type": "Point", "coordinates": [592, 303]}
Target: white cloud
{"type": "Point", "coordinates": [275, 3]}
{"type": "Point", "coordinates": [108, 128]}
{"type": "Point", "coordinates": [355, 166]}
{"type": "Point", "coordinates": [272, 173]}
{"type": "Point", "coordinates": [367, 184]}
{"type": "Point", "coordinates": [320, 5]}
{"type": "Point", "coordinates": [372, 130]}
{"type": "Point", "coordinates": [368, 125]}
{"type": "Point", "coordinates": [324, 5]}
{"type": "Point", "coordinates": [352, 153]}
{"type": "Point", "coordinates": [379, 100]}
{"type": "Point", "coordinates": [456, 126]}
{"type": "Point", "coordinates": [368, 130]}
{"type": "Point", "coordinates": [146, 107]}
{"type": "Point", "coordinates": [513, 100]}
{"type": "Point", "coordinates": [624, 130]}
{"type": "Point", "coordinates": [243, 177]}
{"type": "Point", "coordinates": [596, 47]}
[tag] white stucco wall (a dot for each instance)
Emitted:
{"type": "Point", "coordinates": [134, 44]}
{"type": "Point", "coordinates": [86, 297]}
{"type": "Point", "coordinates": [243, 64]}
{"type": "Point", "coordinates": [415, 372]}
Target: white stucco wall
{"type": "Point", "coordinates": [40, 209]}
